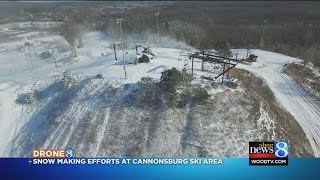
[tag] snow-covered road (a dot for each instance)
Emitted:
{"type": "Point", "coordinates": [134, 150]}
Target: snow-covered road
{"type": "Point", "coordinates": [303, 107]}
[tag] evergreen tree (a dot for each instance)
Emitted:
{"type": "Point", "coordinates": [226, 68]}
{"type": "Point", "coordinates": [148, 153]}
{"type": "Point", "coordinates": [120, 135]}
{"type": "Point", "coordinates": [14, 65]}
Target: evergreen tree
{"type": "Point", "coordinates": [223, 49]}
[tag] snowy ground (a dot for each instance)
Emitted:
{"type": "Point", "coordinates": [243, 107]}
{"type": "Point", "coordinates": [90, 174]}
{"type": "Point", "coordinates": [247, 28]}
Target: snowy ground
{"type": "Point", "coordinates": [92, 118]}
{"type": "Point", "coordinates": [22, 71]}
{"type": "Point", "coordinates": [304, 108]}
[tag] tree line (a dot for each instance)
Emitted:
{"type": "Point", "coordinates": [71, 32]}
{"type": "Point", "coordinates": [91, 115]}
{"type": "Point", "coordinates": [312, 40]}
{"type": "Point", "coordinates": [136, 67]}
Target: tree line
{"type": "Point", "coordinates": [291, 28]}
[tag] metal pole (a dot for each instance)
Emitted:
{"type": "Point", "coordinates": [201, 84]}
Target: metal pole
{"type": "Point", "coordinates": [228, 68]}
{"type": "Point", "coordinates": [157, 14]}
{"type": "Point", "coordinates": [261, 40]}
{"type": "Point", "coordinates": [158, 28]}
{"type": "Point", "coordinates": [122, 43]}
{"type": "Point", "coordinates": [124, 66]}
{"type": "Point", "coordinates": [115, 53]}
{"type": "Point", "coordinates": [136, 49]}
{"type": "Point", "coordinates": [202, 61]}
{"type": "Point", "coordinates": [192, 66]}
{"type": "Point", "coordinates": [247, 53]}
{"type": "Point", "coordinates": [224, 64]}
{"type": "Point", "coordinates": [229, 65]}
{"type": "Point", "coordinates": [189, 35]}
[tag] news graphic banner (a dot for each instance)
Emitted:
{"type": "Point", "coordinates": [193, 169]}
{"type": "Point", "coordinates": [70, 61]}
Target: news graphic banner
{"type": "Point", "coordinates": [65, 157]}
{"type": "Point", "coordinates": [153, 168]}
{"type": "Point", "coordinates": [266, 159]}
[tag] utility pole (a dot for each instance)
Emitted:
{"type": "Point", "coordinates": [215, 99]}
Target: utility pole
{"type": "Point", "coordinates": [119, 20]}
{"type": "Point", "coordinates": [157, 14]}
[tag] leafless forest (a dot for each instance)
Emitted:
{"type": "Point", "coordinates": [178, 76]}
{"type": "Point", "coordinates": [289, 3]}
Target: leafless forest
{"type": "Point", "coordinates": [291, 28]}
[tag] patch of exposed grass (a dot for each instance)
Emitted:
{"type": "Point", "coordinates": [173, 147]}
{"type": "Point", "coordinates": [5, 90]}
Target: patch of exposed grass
{"type": "Point", "coordinates": [305, 77]}
{"type": "Point", "coordinates": [286, 127]}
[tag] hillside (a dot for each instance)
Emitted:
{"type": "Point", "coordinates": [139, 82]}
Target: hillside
{"type": "Point", "coordinates": [102, 115]}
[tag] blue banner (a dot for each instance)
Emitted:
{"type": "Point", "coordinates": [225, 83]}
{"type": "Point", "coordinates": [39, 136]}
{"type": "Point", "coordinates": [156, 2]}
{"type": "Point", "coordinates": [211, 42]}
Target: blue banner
{"type": "Point", "coordinates": [135, 168]}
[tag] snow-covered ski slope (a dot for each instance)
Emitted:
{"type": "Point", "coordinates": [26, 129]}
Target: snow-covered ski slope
{"type": "Point", "coordinates": [304, 108]}
{"type": "Point", "coordinates": [21, 68]}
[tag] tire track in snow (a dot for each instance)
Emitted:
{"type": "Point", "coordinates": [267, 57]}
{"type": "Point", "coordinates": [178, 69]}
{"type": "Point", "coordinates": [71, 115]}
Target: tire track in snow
{"type": "Point", "coordinates": [102, 132]}
{"type": "Point", "coordinates": [298, 90]}
{"type": "Point", "coordinates": [311, 124]}
{"type": "Point", "coordinates": [289, 94]}
{"type": "Point", "coordinates": [75, 137]}
{"type": "Point", "coordinates": [299, 93]}
{"type": "Point", "coordinates": [60, 137]}
{"type": "Point", "coordinates": [278, 70]}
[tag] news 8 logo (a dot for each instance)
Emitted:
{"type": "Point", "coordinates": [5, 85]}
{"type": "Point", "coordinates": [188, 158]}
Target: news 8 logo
{"type": "Point", "coordinates": [69, 153]}
{"type": "Point", "coordinates": [281, 149]}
